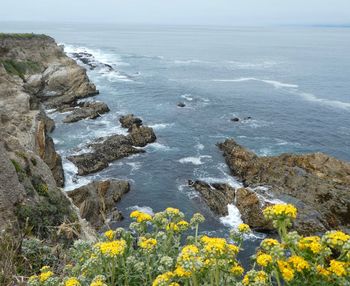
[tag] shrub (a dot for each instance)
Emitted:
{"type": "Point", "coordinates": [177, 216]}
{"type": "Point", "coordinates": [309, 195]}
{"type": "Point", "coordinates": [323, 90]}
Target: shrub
{"type": "Point", "coordinates": [151, 253]}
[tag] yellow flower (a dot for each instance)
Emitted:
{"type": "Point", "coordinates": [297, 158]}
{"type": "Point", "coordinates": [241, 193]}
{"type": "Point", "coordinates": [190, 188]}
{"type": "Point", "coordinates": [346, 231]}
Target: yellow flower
{"type": "Point", "coordinates": [286, 270]}
{"type": "Point", "coordinates": [280, 211]}
{"type": "Point", "coordinates": [237, 270]}
{"type": "Point", "coordinates": [337, 267]}
{"type": "Point", "coordinates": [312, 243]}
{"type": "Point", "coordinates": [214, 245]}
{"type": "Point", "coordinates": [264, 259]}
{"type": "Point", "coordinates": [172, 211]}
{"type": "Point", "coordinates": [233, 248]}
{"type": "Point", "coordinates": [336, 238]}
{"type": "Point", "coordinates": [245, 280]}
{"type": "Point", "coordinates": [72, 282]}
{"type": "Point", "coordinates": [111, 248]}
{"type": "Point", "coordinates": [243, 228]}
{"type": "Point", "coordinates": [181, 272]}
{"type": "Point", "coordinates": [45, 275]}
{"type": "Point", "coordinates": [109, 234]}
{"type": "Point", "coordinates": [97, 283]}
{"type": "Point", "coordinates": [322, 271]}
{"type": "Point", "coordinates": [172, 227]}
{"type": "Point", "coordinates": [261, 277]}
{"type": "Point", "coordinates": [147, 244]}
{"type": "Point", "coordinates": [298, 263]}
{"type": "Point", "coordinates": [174, 284]}
{"type": "Point", "coordinates": [269, 243]}
{"type": "Point", "coordinates": [183, 225]}
{"type": "Point", "coordinates": [163, 278]}
{"type": "Point", "coordinates": [140, 216]}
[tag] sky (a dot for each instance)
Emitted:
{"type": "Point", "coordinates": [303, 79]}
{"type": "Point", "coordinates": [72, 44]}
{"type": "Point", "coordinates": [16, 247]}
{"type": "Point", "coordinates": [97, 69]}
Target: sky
{"type": "Point", "coordinates": [194, 12]}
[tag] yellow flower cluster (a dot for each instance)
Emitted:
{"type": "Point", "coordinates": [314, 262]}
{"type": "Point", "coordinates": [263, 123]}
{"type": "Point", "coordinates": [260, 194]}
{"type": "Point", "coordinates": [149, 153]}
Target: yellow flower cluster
{"type": "Point", "coordinates": [338, 268]}
{"type": "Point", "coordinates": [163, 279]}
{"type": "Point", "coordinates": [181, 272]}
{"type": "Point", "coordinates": [172, 211]}
{"type": "Point", "coordinates": [141, 216]}
{"type": "Point", "coordinates": [299, 263]}
{"type": "Point", "coordinates": [259, 277]}
{"type": "Point", "coordinates": [286, 270]}
{"type": "Point", "coordinates": [72, 281]}
{"type": "Point", "coordinates": [147, 243]}
{"type": "Point", "coordinates": [237, 270]}
{"type": "Point", "coordinates": [312, 243]}
{"type": "Point", "coordinates": [244, 228]}
{"type": "Point", "coordinates": [111, 248]}
{"type": "Point", "coordinates": [109, 234]}
{"type": "Point", "coordinates": [280, 211]}
{"type": "Point", "coordinates": [269, 243]}
{"type": "Point", "coordinates": [336, 238]}
{"type": "Point", "coordinates": [214, 245]}
{"type": "Point", "coordinates": [264, 259]}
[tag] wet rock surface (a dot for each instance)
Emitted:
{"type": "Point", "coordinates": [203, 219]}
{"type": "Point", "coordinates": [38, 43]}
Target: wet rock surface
{"type": "Point", "coordinates": [97, 201]}
{"type": "Point", "coordinates": [109, 149]}
{"type": "Point", "coordinates": [87, 110]}
{"type": "Point", "coordinates": [316, 183]}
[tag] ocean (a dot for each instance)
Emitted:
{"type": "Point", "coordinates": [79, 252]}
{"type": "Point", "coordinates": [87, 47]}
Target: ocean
{"type": "Point", "coordinates": [290, 85]}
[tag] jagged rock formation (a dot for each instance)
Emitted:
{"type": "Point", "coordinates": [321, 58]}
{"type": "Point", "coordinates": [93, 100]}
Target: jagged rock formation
{"type": "Point", "coordinates": [34, 70]}
{"type": "Point", "coordinates": [89, 110]}
{"type": "Point", "coordinates": [316, 183]}
{"type": "Point", "coordinates": [219, 195]}
{"type": "Point", "coordinates": [109, 149]}
{"type": "Point", "coordinates": [96, 201]}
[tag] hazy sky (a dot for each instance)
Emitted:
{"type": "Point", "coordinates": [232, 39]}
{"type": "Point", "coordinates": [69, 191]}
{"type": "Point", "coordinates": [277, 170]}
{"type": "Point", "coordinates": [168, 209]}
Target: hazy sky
{"type": "Point", "coordinates": [207, 12]}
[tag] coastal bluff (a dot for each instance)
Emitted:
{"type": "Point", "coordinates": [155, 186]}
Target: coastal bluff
{"type": "Point", "coordinates": [35, 72]}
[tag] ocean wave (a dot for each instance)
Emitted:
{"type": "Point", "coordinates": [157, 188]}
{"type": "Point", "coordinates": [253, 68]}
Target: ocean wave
{"type": "Point", "coordinates": [194, 160]}
{"type": "Point", "coordinates": [294, 89]}
{"type": "Point", "coordinates": [72, 181]}
{"type": "Point", "coordinates": [190, 61]}
{"type": "Point", "coordinates": [274, 83]}
{"type": "Point", "coordinates": [250, 65]}
{"type": "Point", "coordinates": [144, 209]}
{"type": "Point", "coordinates": [134, 166]}
{"type": "Point", "coordinates": [158, 146]}
{"type": "Point", "coordinates": [233, 219]}
{"type": "Point", "coordinates": [158, 126]}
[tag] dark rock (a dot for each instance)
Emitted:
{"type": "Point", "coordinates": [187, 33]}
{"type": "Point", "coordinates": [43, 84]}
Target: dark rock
{"type": "Point", "coordinates": [89, 110]}
{"type": "Point", "coordinates": [181, 104]}
{"type": "Point", "coordinates": [128, 121]}
{"type": "Point", "coordinates": [235, 119]}
{"type": "Point", "coordinates": [97, 201]}
{"type": "Point", "coordinates": [318, 183]}
{"type": "Point", "coordinates": [250, 207]}
{"type": "Point", "coordinates": [247, 118]}
{"type": "Point", "coordinates": [216, 196]}
{"type": "Point", "coordinates": [141, 136]}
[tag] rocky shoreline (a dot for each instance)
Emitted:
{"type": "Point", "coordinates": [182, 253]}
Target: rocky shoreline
{"type": "Point", "coordinates": [35, 73]}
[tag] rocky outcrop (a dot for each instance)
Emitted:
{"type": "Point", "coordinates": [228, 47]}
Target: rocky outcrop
{"type": "Point", "coordinates": [109, 149]}
{"type": "Point", "coordinates": [316, 183]}
{"type": "Point", "coordinates": [90, 61]}
{"type": "Point", "coordinates": [96, 201]}
{"type": "Point", "coordinates": [219, 195]}
{"type": "Point", "coordinates": [129, 120]}
{"type": "Point", "coordinates": [90, 110]}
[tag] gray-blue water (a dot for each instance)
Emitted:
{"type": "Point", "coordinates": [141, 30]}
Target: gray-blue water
{"type": "Point", "coordinates": [293, 82]}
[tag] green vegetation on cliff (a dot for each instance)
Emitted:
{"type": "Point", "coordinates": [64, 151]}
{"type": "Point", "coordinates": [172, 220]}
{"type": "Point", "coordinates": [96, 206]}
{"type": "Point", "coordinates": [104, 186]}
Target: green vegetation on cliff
{"type": "Point", "coordinates": [20, 68]}
{"type": "Point", "coordinates": [22, 36]}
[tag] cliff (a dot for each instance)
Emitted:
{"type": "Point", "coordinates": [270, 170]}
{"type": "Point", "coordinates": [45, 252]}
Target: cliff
{"type": "Point", "coordinates": [34, 71]}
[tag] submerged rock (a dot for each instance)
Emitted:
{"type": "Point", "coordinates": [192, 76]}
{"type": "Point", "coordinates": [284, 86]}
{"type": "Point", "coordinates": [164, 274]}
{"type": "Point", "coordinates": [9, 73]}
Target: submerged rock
{"type": "Point", "coordinates": [97, 201]}
{"type": "Point", "coordinates": [235, 119]}
{"type": "Point", "coordinates": [181, 104]}
{"type": "Point", "coordinates": [89, 110]}
{"type": "Point", "coordinates": [316, 183]}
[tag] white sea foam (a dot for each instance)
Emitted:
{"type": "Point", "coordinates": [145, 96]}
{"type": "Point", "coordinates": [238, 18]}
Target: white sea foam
{"type": "Point", "coordinates": [233, 219]}
{"type": "Point", "coordinates": [187, 96]}
{"type": "Point", "coordinates": [323, 101]}
{"type": "Point", "coordinates": [199, 146]}
{"type": "Point", "coordinates": [190, 61]}
{"type": "Point", "coordinates": [274, 83]}
{"type": "Point", "coordinates": [158, 146]}
{"type": "Point", "coordinates": [158, 126]}
{"type": "Point", "coordinates": [249, 65]}
{"type": "Point", "coordinates": [72, 181]}
{"type": "Point", "coordinates": [134, 166]}
{"type": "Point", "coordinates": [194, 160]}
{"type": "Point", "coordinates": [144, 209]}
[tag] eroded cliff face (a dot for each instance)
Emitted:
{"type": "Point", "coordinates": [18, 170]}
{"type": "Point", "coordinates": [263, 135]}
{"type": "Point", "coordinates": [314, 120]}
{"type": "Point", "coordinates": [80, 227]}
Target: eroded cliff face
{"type": "Point", "coordinates": [34, 71]}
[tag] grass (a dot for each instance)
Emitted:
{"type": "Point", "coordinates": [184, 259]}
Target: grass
{"type": "Point", "coordinates": [20, 68]}
{"type": "Point", "coordinates": [22, 36]}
